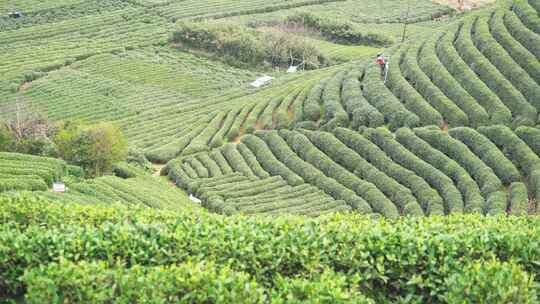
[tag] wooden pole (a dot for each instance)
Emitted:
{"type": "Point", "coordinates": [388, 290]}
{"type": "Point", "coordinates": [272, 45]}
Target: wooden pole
{"type": "Point", "coordinates": [406, 22]}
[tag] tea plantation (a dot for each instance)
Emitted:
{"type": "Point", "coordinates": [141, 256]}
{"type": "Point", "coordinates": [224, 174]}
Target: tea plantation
{"type": "Point", "coordinates": [338, 183]}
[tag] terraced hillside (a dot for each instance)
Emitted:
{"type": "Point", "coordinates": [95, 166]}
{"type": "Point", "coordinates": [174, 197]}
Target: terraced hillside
{"type": "Point", "coordinates": [423, 171]}
{"type": "Point", "coordinates": [110, 60]}
{"type": "Point", "coordinates": [480, 71]}
{"type": "Point", "coordinates": [143, 190]}
{"type": "Point", "coordinates": [26, 172]}
{"type": "Point", "coordinates": [22, 172]}
{"type": "Point", "coordinates": [337, 185]}
{"type": "Point", "coordinates": [477, 76]}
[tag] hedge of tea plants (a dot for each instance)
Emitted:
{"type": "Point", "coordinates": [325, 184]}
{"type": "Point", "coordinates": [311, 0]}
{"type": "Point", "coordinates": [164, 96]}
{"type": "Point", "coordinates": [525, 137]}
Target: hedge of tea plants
{"type": "Point", "coordinates": [411, 172]}
{"type": "Point", "coordinates": [93, 254]}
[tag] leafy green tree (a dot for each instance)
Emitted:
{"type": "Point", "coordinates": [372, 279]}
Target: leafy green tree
{"type": "Point", "coordinates": [108, 146]}
{"type": "Point", "coordinates": [94, 147]}
{"type": "Point", "coordinates": [6, 139]}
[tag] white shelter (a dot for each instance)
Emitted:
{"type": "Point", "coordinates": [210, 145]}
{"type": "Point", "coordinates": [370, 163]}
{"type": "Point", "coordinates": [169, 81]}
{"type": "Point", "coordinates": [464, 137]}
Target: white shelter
{"type": "Point", "coordinates": [261, 81]}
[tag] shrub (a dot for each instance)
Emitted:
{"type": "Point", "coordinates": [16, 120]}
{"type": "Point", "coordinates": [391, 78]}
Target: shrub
{"type": "Point", "coordinates": [505, 64]}
{"type": "Point", "coordinates": [362, 113]}
{"type": "Point", "coordinates": [346, 157]}
{"type": "Point", "coordinates": [244, 47]}
{"type": "Point", "coordinates": [189, 170]}
{"type": "Point", "coordinates": [217, 139]}
{"type": "Point", "coordinates": [379, 96]}
{"type": "Point", "coordinates": [452, 61]}
{"type": "Point", "coordinates": [124, 170]}
{"type": "Point", "coordinates": [210, 164]}
{"type": "Point", "coordinates": [236, 160]}
{"type": "Point", "coordinates": [94, 282]}
{"type": "Point", "coordinates": [137, 159]}
{"type": "Point", "coordinates": [269, 162]}
{"type": "Point", "coordinates": [518, 150]}
{"type": "Point", "coordinates": [243, 188]}
{"type": "Point", "coordinates": [435, 248]}
{"type": "Point", "coordinates": [251, 123]}
{"type": "Point", "coordinates": [472, 198]}
{"type": "Point", "coordinates": [519, 199]}
{"type": "Point", "coordinates": [519, 53]}
{"type": "Point", "coordinates": [428, 163]}
{"type": "Point", "coordinates": [284, 50]}
{"type": "Point", "coordinates": [266, 120]}
{"type": "Point", "coordinates": [75, 171]}
{"type": "Point", "coordinates": [496, 203]}
{"type": "Point", "coordinates": [521, 33]}
{"type": "Point", "coordinates": [399, 154]}
{"type": "Point", "coordinates": [234, 130]}
{"type": "Point", "coordinates": [524, 113]}
{"type": "Point", "coordinates": [366, 190]}
{"type": "Point", "coordinates": [174, 148]}
{"type": "Point", "coordinates": [23, 182]}
{"type": "Point", "coordinates": [283, 112]}
{"type": "Point", "coordinates": [488, 152]}
{"type": "Point", "coordinates": [527, 14]}
{"type": "Point", "coordinates": [308, 125]}
{"type": "Point", "coordinates": [45, 174]}
{"type": "Point", "coordinates": [458, 151]}
{"type": "Point", "coordinates": [224, 166]}
{"type": "Point", "coordinates": [201, 141]}
{"type": "Point", "coordinates": [428, 197]}
{"type": "Point", "coordinates": [252, 161]}
{"type": "Point", "coordinates": [331, 97]}
{"type": "Point", "coordinates": [6, 139]}
{"type": "Point", "coordinates": [235, 44]}
{"type": "Point", "coordinates": [177, 172]}
{"type": "Point", "coordinates": [535, 5]}
{"type": "Point", "coordinates": [416, 77]}
{"type": "Point", "coordinates": [491, 282]}
{"type": "Point", "coordinates": [326, 287]}
{"type": "Point", "coordinates": [439, 75]}
{"type": "Point", "coordinates": [339, 31]}
{"type": "Point", "coordinates": [531, 136]}
{"type": "Point", "coordinates": [312, 104]}
{"type": "Point", "coordinates": [412, 100]}
{"type": "Point", "coordinates": [521, 154]}
{"type": "Point", "coordinates": [298, 105]}
{"type": "Point", "coordinates": [32, 168]}
{"type": "Point", "coordinates": [200, 169]}
{"type": "Point", "coordinates": [311, 173]}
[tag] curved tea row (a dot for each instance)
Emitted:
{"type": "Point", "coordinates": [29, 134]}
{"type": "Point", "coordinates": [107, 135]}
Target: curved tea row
{"type": "Point", "coordinates": [422, 171]}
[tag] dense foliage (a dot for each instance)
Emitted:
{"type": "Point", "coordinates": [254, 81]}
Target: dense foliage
{"type": "Point", "coordinates": [414, 172]}
{"type": "Point", "coordinates": [418, 184]}
{"type": "Point", "coordinates": [96, 148]}
{"type": "Point", "coordinates": [338, 31]}
{"type": "Point", "coordinates": [422, 260]}
{"type": "Point", "coordinates": [26, 172]}
{"type": "Point", "coordinates": [246, 47]}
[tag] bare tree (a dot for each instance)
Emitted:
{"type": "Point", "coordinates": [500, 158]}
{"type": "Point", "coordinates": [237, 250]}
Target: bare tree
{"type": "Point", "coordinates": [24, 121]}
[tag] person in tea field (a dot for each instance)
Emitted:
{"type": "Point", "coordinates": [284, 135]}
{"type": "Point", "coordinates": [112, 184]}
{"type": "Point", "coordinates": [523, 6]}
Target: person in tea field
{"type": "Point", "coordinates": [381, 61]}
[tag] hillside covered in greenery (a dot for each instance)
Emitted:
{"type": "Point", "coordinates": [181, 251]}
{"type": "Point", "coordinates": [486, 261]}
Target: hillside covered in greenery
{"type": "Point", "coordinates": [139, 163]}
